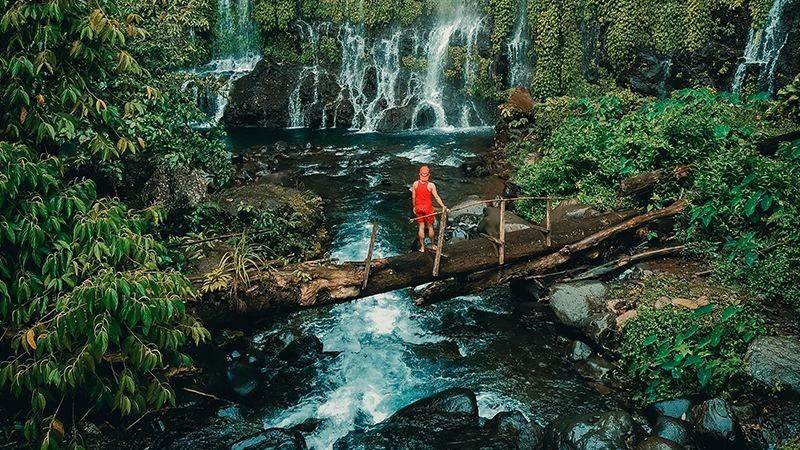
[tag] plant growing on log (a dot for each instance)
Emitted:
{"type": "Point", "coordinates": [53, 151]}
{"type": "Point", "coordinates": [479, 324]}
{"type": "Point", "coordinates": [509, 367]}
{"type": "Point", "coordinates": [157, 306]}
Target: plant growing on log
{"type": "Point", "coordinates": [90, 315]}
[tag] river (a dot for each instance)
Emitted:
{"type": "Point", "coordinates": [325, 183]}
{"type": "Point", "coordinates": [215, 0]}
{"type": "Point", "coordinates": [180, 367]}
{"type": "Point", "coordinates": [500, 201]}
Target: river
{"type": "Point", "coordinates": [391, 352]}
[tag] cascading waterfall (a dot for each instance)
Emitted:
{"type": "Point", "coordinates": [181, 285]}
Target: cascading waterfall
{"type": "Point", "coordinates": [520, 73]}
{"type": "Point", "coordinates": [298, 111]}
{"type": "Point", "coordinates": [236, 51]}
{"type": "Point", "coordinates": [462, 23]}
{"type": "Point", "coordinates": [764, 47]}
{"type": "Point", "coordinates": [385, 62]}
{"type": "Point", "coordinates": [373, 81]}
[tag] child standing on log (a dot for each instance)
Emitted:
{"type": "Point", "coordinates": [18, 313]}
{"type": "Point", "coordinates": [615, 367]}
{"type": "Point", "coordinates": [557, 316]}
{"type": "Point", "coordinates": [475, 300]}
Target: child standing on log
{"type": "Point", "coordinates": [423, 192]}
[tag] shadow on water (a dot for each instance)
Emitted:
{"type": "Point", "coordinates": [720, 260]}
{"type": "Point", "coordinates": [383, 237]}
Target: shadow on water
{"type": "Point", "coordinates": [391, 352]}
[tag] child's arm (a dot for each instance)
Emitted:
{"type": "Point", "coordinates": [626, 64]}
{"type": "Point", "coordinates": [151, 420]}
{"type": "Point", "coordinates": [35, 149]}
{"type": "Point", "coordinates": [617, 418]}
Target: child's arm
{"type": "Point", "coordinates": [414, 197]}
{"type": "Point", "coordinates": [436, 196]}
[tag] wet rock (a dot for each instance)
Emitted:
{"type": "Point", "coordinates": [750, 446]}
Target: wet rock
{"type": "Point", "coordinates": [475, 168]}
{"type": "Point", "coordinates": [175, 189]}
{"type": "Point", "coordinates": [432, 422]}
{"type": "Point", "coordinates": [302, 352]}
{"type": "Point", "coordinates": [770, 422]}
{"type": "Point", "coordinates": [396, 119]}
{"type": "Point", "coordinates": [594, 368]}
{"type": "Point", "coordinates": [675, 430]}
{"type": "Point", "coordinates": [677, 409]}
{"type": "Point", "coordinates": [650, 75]}
{"type": "Point", "coordinates": [448, 419]}
{"type": "Point", "coordinates": [612, 430]}
{"type": "Point", "coordinates": [512, 430]}
{"type": "Point", "coordinates": [528, 290]}
{"type": "Point", "coordinates": [272, 439]}
{"type": "Point", "coordinates": [775, 361]}
{"type": "Point", "coordinates": [467, 206]}
{"type": "Point", "coordinates": [261, 98]}
{"type": "Point", "coordinates": [490, 223]}
{"type": "Point", "coordinates": [573, 303]}
{"type": "Point", "coordinates": [715, 424]}
{"type": "Point", "coordinates": [572, 210]}
{"type": "Point", "coordinates": [657, 443]}
{"type": "Point", "coordinates": [600, 328]}
{"type": "Point", "coordinates": [578, 351]}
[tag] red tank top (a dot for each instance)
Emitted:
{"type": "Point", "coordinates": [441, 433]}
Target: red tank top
{"type": "Point", "coordinates": [423, 198]}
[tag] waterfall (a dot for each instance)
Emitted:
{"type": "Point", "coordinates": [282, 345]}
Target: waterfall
{"type": "Point", "coordinates": [298, 112]}
{"type": "Point", "coordinates": [438, 43]}
{"type": "Point", "coordinates": [520, 73]}
{"type": "Point", "coordinates": [236, 51]}
{"type": "Point", "coordinates": [374, 85]}
{"type": "Point", "coordinates": [764, 47]}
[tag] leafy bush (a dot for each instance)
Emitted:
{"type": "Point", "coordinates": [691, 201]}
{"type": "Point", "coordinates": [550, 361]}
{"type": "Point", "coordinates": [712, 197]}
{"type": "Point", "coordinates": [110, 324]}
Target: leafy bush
{"type": "Point", "coordinates": [739, 197]}
{"type": "Point", "coordinates": [90, 313]}
{"type": "Point", "coordinates": [670, 351]}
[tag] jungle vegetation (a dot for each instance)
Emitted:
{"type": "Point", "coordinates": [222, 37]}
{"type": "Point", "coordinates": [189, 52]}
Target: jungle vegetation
{"type": "Point", "coordinates": [93, 302]}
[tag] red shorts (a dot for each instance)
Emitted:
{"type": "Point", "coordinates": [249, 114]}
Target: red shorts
{"type": "Point", "coordinates": [427, 220]}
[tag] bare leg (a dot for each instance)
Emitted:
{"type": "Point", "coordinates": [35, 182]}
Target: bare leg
{"type": "Point", "coordinates": [421, 236]}
{"type": "Point", "coordinates": [431, 236]}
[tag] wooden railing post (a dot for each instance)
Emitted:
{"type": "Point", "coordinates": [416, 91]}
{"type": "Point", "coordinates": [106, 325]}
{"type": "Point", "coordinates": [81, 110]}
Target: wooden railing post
{"type": "Point", "coordinates": [440, 243]}
{"type": "Point", "coordinates": [368, 261]}
{"type": "Point", "coordinates": [548, 238]}
{"type": "Point", "coordinates": [502, 231]}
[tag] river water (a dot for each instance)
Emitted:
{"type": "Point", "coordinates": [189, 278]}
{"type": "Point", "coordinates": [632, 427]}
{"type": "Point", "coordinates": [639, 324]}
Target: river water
{"type": "Point", "coordinates": [391, 352]}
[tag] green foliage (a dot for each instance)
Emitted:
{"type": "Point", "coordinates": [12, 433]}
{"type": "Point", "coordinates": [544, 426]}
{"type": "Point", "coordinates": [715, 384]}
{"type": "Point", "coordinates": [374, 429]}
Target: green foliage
{"type": "Point", "coordinates": [90, 314]}
{"type": "Point", "coordinates": [178, 32]}
{"type": "Point", "coordinates": [673, 351]}
{"type": "Point", "coordinates": [789, 100]}
{"type": "Point", "coordinates": [740, 198]}
{"type": "Point", "coordinates": [275, 15]}
{"type": "Point", "coordinates": [286, 222]}
{"type": "Point", "coordinates": [504, 16]}
{"type": "Point", "coordinates": [67, 76]}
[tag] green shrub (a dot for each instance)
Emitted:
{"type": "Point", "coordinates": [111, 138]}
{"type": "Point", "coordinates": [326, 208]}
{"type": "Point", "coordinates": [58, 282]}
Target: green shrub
{"type": "Point", "coordinates": [743, 204]}
{"type": "Point", "coordinates": [670, 351]}
{"type": "Point", "coordinates": [90, 313]}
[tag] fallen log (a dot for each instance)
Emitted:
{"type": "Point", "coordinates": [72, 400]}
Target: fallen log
{"type": "Point", "coordinates": [613, 266]}
{"type": "Point", "coordinates": [640, 184]}
{"type": "Point", "coordinates": [319, 283]}
{"type": "Point", "coordinates": [478, 282]}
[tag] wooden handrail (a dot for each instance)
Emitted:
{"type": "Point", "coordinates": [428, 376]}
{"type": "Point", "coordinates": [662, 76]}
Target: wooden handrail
{"type": "Point", "coordinates": [482, 202]}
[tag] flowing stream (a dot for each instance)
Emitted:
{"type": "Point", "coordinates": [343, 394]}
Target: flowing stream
{"type": "Point", "coordinates": [392, 352]}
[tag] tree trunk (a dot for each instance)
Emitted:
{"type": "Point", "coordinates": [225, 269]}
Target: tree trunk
{"type": "Point", "coordinates": [319, 283]}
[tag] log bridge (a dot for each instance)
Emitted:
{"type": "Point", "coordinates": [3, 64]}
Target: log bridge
{"type": "Point", "coordinates": [466, 266]}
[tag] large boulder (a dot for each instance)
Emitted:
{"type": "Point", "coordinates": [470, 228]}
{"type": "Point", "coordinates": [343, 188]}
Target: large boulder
{"type": "Point", "coordinates": [657, 443]}
{"type": "Point", "coordinates": [272, 439]}
{"type": "Point", "coordinates": [261, 98]}
{"type": "Point", "coordinates": [512, 430]}
{"type": "Point", "coordinates": [611, 430]}
{"type": "Point", "coordinates": [302, 352]}
{"type": "Point", "coordinates": [395, 119]}
{"type": "Point", "coordinates": [490, 223]}
{"type": "Point", "coordinates": [675, 430]}
{"type": "Point", "coordinates": [448, 419]}
{"type": "Point", "coordinates": [775, 361]}
{"type": "Point", "coordinates": [677, 408]}
{"type": "Point", "coordinates": [574, 303]}
{"type": "Point", "coordinates": [715, 424]}
{"type": "Point", "coordinates": [175, 189]}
